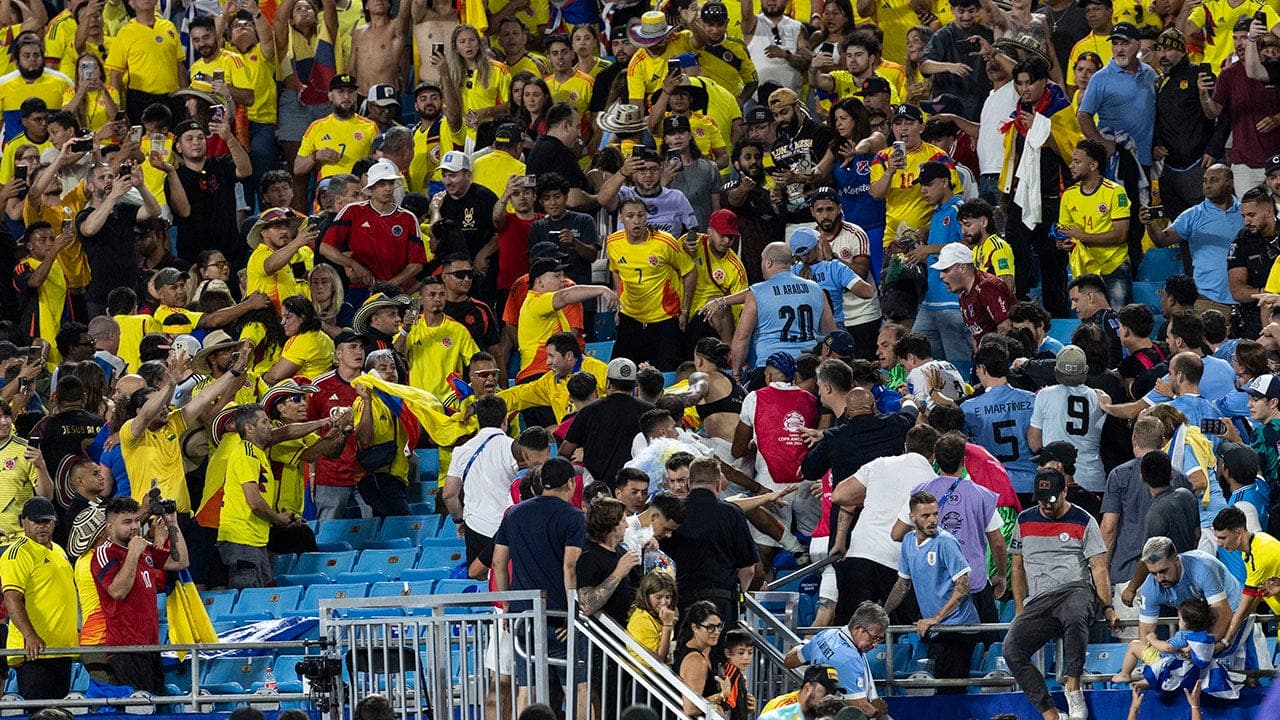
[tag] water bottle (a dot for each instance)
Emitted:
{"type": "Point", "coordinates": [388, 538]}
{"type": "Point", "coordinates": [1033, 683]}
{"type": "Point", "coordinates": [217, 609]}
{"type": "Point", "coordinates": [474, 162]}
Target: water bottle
{"type": "Point", "coordinates": [269, 683]}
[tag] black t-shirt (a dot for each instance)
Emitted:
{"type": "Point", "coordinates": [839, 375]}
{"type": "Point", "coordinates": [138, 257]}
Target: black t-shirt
{"type": "Point", "coordinates": [708, 552]}
{"type": "Point", "coordinates": [583, 227]}
{"type": "Point", "coordinates": [1255, 254]}
{"type": "Point", "coordinates": [472, 217]}
{"type": "Point", "coordinates": [951, 44]}
{"type": "Point", "coordinates": [478, 318]}
{"type": "Point", "coordinates": [69, 432]}
{"type": "Point", "coordinates": [604, 79]}
{"type": "Point", "coordinates": [595, 565]}
{"type": "Point", "coordinates": [112, 252]}
{"type": "Point", "coordinates": [211, 223]}
{"type": "Point", "coordinates": [800, 153]}
{"type": "Point", "coordinates": [1140, 366]}
{"type": "Point", "coordinates": [1066, 28]}
{"type": "Point", "coordinates": [548, 154]}
{"type": "Point", "coordinates": [604, 430]}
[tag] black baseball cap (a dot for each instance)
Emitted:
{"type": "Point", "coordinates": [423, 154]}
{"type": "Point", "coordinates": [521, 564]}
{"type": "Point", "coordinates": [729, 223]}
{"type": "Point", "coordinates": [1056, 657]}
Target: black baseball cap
{"type": "Point", "coordinates": [544, 265]}
{"type": "Point", "coordinates": [758, 115]}
{"type": "Point", "coordinates": [715, 12]}
{"type": "Point", "coordinates": [826, 676]}
{"type": "Point", "coordinates": [342, 81]}
{"type": "Point", "coordinates": [555, 473]}
{"type": "Point", "coordinates": [906, 110]}
{"type": "Point", "coordinates": [933, 170]}
{"type": "Point", "coordinates": [1125, 31]}
{"type": "Point", "coordinates": [1240, 460]}
{"type": "Point", "coordinates": [1061, 451]}
{"type": "Point", "coordinates": [675, 123]}
{"type": "Point", "coordinates": [37, 509]}
{"type": "Point", "coordinates": [347, 336]}
{"type": "Point", "coordinates": [1050, 484]}
{"type": "Point", "coordinates": [875, 85]}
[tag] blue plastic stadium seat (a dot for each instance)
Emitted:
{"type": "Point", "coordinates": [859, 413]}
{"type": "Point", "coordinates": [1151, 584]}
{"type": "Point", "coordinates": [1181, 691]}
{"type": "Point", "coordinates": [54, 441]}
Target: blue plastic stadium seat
{"type": "Point", "coordinates": [218, 603]}
{"type": "Point", "coordinates": [1148, 293]}
{"type": "Point", "coordinates": [272, 601]}
{"type": "Point", "coordinates": [448, 528]}
{"type": "Point", "coordinates": [1060, 329]}
{"type": "Point", "coordinates": [413, 527]}
{"type": "Point", "coordinates": [394, 589]}
{"type": "Point", "coordinates": [304, 579]}
{"type": "Point", "coordinates": [390, 544]}
{"type": "Point", "coordinates": [283, 564]}
{"type": "Point", "coordinates": [79, 678]}
{"type": "Point", "coordinates": [367, 577]}
{"type": "Point", "coordinates": [1158, 264]}
{"type": "Point", "coordinates": [286, 676]}
{"type": "Point", "coordinates": [328, 563]}
{"type": "Point", "coordinates": [353, 532]}
{"type": "Point", "coordinates": [602, 351]}
{"type": "Point", "coordinates": [387, 562]}
{"type": "Point", "coordinates": [441, 557]}
{"type": "Point", "coordinates": [422, 508]}
{"type": "Point", "coordinates": [876, 662]}
{"type": "Point", "coordinates": [445, 587]}
{"type": "Point", "coordinates": [428, 471]}
{"type": "Point", "coordinates": [1105, 658]}
{"type": "Point", "coordinates": [435, 573]}
{"type": "Point", "coordinates": [309, 606]}
{"type": "Point", "coordinates": [233, 675]}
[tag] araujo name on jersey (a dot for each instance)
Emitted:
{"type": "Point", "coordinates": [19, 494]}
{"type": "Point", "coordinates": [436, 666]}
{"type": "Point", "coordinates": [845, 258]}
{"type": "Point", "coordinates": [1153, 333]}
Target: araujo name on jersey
{"type": "Point", "coordinates": [791, 289]}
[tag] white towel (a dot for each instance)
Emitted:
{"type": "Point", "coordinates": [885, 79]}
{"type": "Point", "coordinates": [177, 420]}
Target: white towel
{"type": "Point", "coordinates": [1027, 194]}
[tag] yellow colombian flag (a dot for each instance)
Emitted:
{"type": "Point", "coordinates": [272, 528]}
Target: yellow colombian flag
{"type": "Point", "coordinates": [188, 621]}
{"type": "Point", "coordinates": [444, 429]}
{"type": "Point", "coordinates": [473, 14]}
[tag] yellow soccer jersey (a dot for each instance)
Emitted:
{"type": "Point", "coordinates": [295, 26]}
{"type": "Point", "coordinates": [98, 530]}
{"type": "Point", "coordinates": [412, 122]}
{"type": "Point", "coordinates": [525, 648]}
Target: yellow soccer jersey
{"type": "Point", "coordinates": [539, 320]}
{"type": "Point", "coordinates": [904, 203]}
{"type": "Point", "coordinates": [232, 66]}
{"type": "Point", "coordinates": [477, 96]}
{"type": "Point", "coordinates": [1094, 213]}
{"type": "Point", "coordinates": [15, 89]}
{"type": "Point", "coordinates": [993, 255]}
{"type": "Point", "coordinates": [59, 40]}
{"type": "Point", "coordinates": [262, 78]}
{"type": "Point", "coordinates": [717, 276]}
{"type": "Point", "coordinates": [93, 112]}
{"type": "Point", "coordinates": [157, 455]}
{"type": "Point", "coordinates": [282, 283]}
{"type": "Point", "coordinates": [290, 484]}
{"type": "Point", "coordinates": [311, 351]}
{"type": "Point", "coordinates": [1217, 18]}
{"type": "Point", "coordinates": [429, 145]}
{"type": "Point", "coordinates": [1262, 562]}
{"type": "Point", "coordinates": [17, 483]}
{"type": "Point", "coordinates": [246, 465]}
{"type": "Point", "coordinates": [352, 138]}
{"type": "Point", "coordinates": [706, 133]}
{"type": "Point", "coordinates": [44, 577]}
{"type": "Point", "coordinates": [154, 178]}
{"type": "Point", "coordinates": [148, 56]}
{"type": "Point", "coordinates": [651, 275]}
{"type": "Point", "coordinates": [1094, 43]}
{"type": "Point", "coordinates": [436, 352]}
{"type": "Point", "coordinates": [646, 72]}
{"type": "Point", "coordinates": [132, 328]}
{"type": "Point", "coordinates": [576, 90]}
{"type": "Point", "coordinates": [729, 64]}
{"type": "Point", "coordinates": [494, 168]}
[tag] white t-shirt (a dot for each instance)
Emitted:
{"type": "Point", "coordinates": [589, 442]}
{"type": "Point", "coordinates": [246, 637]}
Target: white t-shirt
{"type": "Point", "coordinates": [1073, 414]}
{"type": "Point", "coordinates": [889, 481]}
{"type": "Point", "coordinates": [952, 382]}
{"type": "Point", "coordinates": [486, 484]}
{"type": "Point", "coordinates": [995, 111]}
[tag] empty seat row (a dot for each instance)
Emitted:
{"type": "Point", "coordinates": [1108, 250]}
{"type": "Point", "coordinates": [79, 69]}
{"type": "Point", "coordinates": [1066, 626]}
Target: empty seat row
{"type": "Point", "coordinates": [390, 562]}
{"type": "Point", "coordinates": [359, 532]}
{"type": "Point", "coordinates": [253, 604]}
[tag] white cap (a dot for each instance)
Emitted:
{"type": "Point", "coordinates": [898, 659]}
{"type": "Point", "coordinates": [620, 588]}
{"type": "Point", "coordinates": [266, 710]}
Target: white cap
{"type": "Point", "coordinates": [455, 161]}
{"type": "Point", "coordinates": [186, 343]}
{"type": "Point", "coordinates": [953, 254]}
{"type": "Point", "coordinates": [384, 169]}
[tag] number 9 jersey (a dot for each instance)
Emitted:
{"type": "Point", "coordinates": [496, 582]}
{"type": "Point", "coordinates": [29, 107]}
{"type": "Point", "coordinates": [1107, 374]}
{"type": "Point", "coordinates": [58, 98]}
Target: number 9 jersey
{"type": "Point", "coordinates": [1073, 414]}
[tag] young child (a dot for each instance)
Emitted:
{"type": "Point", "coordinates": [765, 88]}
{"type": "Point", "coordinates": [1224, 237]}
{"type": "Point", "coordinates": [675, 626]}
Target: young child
{"type": "Point", "coordinates": [1190, 647]}
{"type": "Point", "coordinates": [738, 652]}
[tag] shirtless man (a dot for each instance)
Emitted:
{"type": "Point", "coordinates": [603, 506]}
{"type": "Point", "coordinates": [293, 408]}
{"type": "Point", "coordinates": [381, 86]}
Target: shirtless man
{"type": "Point", "coordinates": [378, 48]}
{"type": "Point", "coordinates": [433, 24]}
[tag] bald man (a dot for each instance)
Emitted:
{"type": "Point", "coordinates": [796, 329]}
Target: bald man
{"type": "Point", "coordinates": [1205, 232]}
{"type": "Point", "coordinates": [783, 312]}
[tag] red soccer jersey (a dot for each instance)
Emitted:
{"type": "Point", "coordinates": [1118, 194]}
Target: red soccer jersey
{"type": "Point", "coordinates": [342, 471]}
{"type": "Point", "coordinates": [513, 249]}
{"type": "Point", "coordinates": [986, 305]}
{"type": "Point", "coordinates": [135, 619]}
{"type": "Point", "coordinates": [384, 244]}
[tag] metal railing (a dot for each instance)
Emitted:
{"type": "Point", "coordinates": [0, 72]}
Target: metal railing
{"type": "Point", "coordinates": [438, 656]}
{"type": "Point", "coordinates": [197, 699]}
{"type": "Point", "coordinates": [621, 672]}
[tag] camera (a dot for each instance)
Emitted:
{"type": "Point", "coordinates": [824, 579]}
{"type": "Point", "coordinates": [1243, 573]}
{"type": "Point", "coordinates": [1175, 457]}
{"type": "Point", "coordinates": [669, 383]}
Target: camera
{"type": "Point", "coordinates": [318, 667]}
{"type": "Point", "coordinates": [158, 506]}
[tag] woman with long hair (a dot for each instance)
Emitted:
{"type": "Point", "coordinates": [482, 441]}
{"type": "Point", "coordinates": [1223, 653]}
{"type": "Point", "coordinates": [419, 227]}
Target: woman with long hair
{"type": "Point", "coordinates": [91, 102]}
{"type": "Point", "coordinates": [837, 22]}
{"type": "Point", "coordinates": [653, 616]}
{"type": "Point", "coordinates": [484, 83]}
{"type": "Point", "coordinates": [585, 41]}
{"type": "Point", "coordinates": [517, 92]}
{"type": "Point", "coordinates": [699, 634]}
{"type": "Point", "coordinates": [917, 82]}
{"type": "Point", "coordinates": [721, 404]}
{"type": "Point", "coordinates": [262, 327]}
{"type": "Point", "coordinates": [308, 351]}
{"type": "Point", "coordinates": [327, 297]}
{"type": "Point", "coordinates": [535, 101]}
{"type": "Point", "coordinates": [847, 163]}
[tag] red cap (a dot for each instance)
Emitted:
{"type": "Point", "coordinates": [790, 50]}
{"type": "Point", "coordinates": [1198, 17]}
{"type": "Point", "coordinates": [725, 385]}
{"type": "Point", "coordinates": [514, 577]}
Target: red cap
{"type": "Point", "coordinates": [724, 221]}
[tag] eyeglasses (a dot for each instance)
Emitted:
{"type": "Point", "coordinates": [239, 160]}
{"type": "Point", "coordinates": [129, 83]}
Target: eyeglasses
{"type": "Point", "coordinates": [712, 627]}
{"type": "Point", "coordinates": [874, 637]}
{"type": "Point", "coordinates": [219, 264]}
{"type": "Point", "coordinates": [296, 397]}
{"type": "Point", "coordinates": [462, 274]}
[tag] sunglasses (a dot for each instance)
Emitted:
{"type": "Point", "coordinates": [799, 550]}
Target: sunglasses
{"type": "Point", "coordinates": [462, 274]}
{"type": "Point", "coordinates": [296, 397]}
{"type": "Point", "coordinates": [712, 627]}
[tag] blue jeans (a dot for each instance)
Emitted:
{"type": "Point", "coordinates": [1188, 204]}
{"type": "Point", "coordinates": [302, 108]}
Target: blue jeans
{"type": "Point", "coordinates": [948, 336]}
{"type": "Point", "coordinates": [1119, 286]}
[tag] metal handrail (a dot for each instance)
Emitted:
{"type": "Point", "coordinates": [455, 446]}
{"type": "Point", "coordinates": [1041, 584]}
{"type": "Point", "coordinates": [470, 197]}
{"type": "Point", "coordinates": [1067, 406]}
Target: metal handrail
{"type": "Point", "coordinates": [612, 639]}
{"type": "Point", "coordinates": [805, 571]}
{"type": "Point", "coordinates": [193, 698]}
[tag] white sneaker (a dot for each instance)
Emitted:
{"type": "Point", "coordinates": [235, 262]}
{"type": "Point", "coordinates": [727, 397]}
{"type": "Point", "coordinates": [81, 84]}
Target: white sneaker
{"type": "Point", "coordinates": [1076, 708]}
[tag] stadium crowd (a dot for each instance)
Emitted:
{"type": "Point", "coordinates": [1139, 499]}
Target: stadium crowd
{"type": "Point", "coordinates": [828, 241]}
